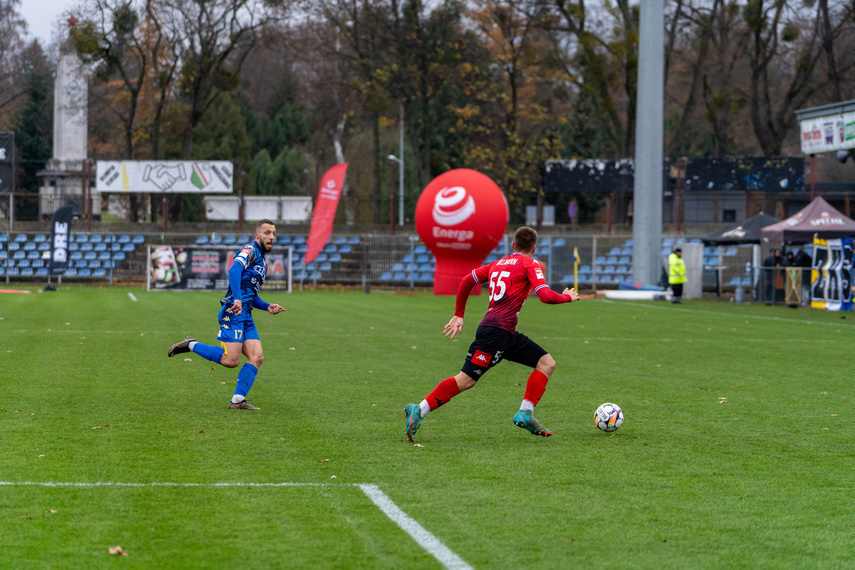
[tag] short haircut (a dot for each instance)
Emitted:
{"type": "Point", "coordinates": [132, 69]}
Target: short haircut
{"type": "Point", "coordinates": [525, 239]}
{"type": "Point", "coordinates": [261, 223]}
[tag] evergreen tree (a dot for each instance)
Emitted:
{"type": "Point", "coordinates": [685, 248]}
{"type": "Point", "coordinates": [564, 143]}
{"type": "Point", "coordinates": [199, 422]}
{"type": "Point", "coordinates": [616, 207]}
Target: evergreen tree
{"type": "Point", "coordinates": [33, 128]}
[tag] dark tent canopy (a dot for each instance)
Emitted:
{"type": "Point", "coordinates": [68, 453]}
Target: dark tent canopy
{"type": "Point", "coordinates": [819, 217]}
{"type": "Point", "coordinates": [746, 232]}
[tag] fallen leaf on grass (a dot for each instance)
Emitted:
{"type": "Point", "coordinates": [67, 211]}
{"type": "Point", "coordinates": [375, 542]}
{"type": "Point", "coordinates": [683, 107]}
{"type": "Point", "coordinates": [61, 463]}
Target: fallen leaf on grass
{"type": "Point", "coordinates": [833, 415]}
{"type": "Point", "coordinates": [188, 360]}
{"type": "Point", "coordinates": [41, 455]}
{"type": "Point", "coordinates": [333, 477]}
{"type": "Point", "coordinates": [117, 550]}
{"type": "Point", "coordinates": [51, 511]}
{"type": "Point", "coordinates": [373, 405]}
{"type": "Point", "coordinates": [322, 460]}
{"type": "Point", "coordinates": [201, 431]}
{"type": "Point", "coordinates": [97, 427]}
{"type": "Point", "coordinates": [412, 347]}
{"type": "Point", "coordinates": [291, 348]}
{"type": "Point", "coordinates": [222, 382]}
{"type": "Point", "coordinates": [418, 445]}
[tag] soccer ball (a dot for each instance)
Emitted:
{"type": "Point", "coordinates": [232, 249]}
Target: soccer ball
{"type": "Point", "coordinates": [608, 417]}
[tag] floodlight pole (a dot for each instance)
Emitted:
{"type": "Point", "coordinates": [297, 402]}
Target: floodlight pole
{"type": "Point", "coordinates": [647, 195]}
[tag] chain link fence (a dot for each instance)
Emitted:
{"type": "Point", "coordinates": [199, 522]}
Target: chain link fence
{"type": "Point", "coordinates": [363, 259]}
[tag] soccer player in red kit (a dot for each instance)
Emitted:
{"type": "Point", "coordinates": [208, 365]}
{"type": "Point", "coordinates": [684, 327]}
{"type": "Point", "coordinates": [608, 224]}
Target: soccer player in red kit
{"type": "Point", "coordinates": [510, 279]}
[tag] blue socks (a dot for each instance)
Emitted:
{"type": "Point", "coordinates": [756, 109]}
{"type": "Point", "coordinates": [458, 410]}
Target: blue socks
{"type": "Point", "coordinates": [208, 352]}
{"type": "Point", "coordinates": [246, 378]}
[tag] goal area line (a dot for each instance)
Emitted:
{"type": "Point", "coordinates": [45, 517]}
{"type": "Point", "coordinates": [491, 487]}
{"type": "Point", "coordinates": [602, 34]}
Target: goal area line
{"type": "Point", "coordinates": [430, 543]}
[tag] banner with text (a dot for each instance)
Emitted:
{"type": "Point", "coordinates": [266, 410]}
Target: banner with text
{"type": "Point", "coordinates": [325, 207]}
{"type": "Point", "coordinates": [207, 268]}
{"type": "Point", "coordinates": [165, 176]}
{"type": "Point", "coordinates": [831, 274]}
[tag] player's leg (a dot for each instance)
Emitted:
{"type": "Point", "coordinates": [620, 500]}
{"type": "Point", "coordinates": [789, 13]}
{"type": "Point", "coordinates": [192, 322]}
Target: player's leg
{"type": "Point", "coordinates": [216, 354]}
{"type": "Point", "coordinates": [484, 353]}
{"type": "Point", "coordinates": [527, 352]}
{"type": "Point", "coordinates": [246, 377]}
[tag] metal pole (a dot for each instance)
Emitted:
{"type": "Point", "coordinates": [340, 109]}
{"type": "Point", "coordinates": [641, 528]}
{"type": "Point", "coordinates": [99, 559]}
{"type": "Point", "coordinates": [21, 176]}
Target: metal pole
{"type": "Point", "coordinates": [240, 195]}
{"type": "Point", "coordinates": [391, 198]}
{"type": "Point", "coordinates": [401, 170]}
{"type": "Point", "coordinates": [647, 202]}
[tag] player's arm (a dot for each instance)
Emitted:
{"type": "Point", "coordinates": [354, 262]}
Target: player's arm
{"type": "Point", "coordinates": [475, 277]}
{"type": "Point", "coordinates": [550, 297]}
{"type": "Point", "coordinates": [234, 284]}
{"type": "Point", "coordinates": [271, 308]}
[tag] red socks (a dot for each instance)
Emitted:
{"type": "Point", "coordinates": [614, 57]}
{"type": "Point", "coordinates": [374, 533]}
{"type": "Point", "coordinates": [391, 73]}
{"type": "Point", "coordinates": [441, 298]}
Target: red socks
{"type": "Point", "coordinates": [444, 391]}
{"type": "Point", "coordinates": [535, 387]}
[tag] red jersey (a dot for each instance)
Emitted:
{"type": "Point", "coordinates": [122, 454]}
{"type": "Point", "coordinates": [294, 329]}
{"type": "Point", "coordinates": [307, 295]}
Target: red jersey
{"type": "Point", "coordinates": [510, 279]}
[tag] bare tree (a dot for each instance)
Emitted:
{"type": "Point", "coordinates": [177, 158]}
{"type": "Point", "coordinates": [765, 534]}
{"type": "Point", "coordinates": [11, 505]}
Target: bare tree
{"type": "Point", "coordinates": [12, 30]}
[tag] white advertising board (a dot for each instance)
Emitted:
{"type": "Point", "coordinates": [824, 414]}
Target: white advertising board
{"type": "Point", "coordinates": [826, 134]}
{"type": "Point", "coordinates": [165, 176]}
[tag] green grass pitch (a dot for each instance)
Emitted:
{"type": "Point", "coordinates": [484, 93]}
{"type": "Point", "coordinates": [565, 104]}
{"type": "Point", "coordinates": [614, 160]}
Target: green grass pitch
{"type": "Point", "coordinates": [736, 450]}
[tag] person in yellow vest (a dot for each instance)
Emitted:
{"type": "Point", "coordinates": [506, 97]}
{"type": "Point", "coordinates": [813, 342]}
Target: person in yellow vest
{"type": "Point", "coordinates": [676, 274]}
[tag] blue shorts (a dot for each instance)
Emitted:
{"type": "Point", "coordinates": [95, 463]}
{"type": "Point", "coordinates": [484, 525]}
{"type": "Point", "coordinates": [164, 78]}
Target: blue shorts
{"type": "Point", "coordinates": [236, 329]}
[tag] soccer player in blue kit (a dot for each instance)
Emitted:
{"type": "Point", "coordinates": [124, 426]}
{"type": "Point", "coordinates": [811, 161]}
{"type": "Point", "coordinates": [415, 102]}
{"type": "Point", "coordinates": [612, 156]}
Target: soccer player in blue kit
{"type": "Point", "coordinates": [237, 329]}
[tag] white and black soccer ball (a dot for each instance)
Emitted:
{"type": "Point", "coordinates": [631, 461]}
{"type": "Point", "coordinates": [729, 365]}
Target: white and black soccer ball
{"type": "Point", "coordinates": [608, 417]}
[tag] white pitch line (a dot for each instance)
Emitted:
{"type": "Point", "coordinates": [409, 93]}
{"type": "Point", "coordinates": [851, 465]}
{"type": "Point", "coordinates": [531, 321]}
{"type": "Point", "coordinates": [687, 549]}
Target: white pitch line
{"type": "Point", "coordinates": [132, 296]}
{"type": "Point", "coordinates": [409, 525]}
{"type": "Point", "coordinates": [416, 531]}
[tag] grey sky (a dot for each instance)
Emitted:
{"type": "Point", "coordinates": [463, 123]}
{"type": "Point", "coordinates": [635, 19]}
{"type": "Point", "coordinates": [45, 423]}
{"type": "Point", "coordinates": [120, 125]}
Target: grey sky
{"type": "Point", "coordinates": [42, 15]}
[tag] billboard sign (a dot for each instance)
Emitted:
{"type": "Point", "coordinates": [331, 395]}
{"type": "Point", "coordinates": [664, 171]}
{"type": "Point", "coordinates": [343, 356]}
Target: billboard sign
{"type": "Point", "coordinates": [165, 176]}
{"type": "Point", "coordinates": [7, 163]}
{"type": "Point", "coordinates": [828, 133]}
{"type": "Point", "coordinates": [207, 268]}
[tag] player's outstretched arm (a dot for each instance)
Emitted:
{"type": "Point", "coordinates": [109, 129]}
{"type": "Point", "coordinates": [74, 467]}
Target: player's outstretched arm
{"type": "Point", "coordinates": [454, 326]}
{"type": "Point", "coordinates": [574, 296]}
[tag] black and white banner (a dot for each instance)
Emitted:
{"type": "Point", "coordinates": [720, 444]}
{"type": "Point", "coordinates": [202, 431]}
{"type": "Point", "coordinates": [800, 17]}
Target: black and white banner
{"type": "Point", "coordinates": [60, 225]}
{"type": "Point", "coordinates": [7, 163]}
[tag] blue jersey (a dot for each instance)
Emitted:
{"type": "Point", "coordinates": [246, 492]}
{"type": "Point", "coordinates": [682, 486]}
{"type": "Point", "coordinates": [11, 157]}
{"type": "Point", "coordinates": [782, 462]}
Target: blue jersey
{"type": "Point", "coordinates": [251, 259]}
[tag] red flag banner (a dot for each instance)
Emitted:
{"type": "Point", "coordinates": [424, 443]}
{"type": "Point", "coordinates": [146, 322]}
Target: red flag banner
{"type": "Point", "coordinates": [325, 207]}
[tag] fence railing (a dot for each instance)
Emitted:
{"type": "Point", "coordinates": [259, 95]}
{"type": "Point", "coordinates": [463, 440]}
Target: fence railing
{"type": "Point", "coordinates": [367, 259]}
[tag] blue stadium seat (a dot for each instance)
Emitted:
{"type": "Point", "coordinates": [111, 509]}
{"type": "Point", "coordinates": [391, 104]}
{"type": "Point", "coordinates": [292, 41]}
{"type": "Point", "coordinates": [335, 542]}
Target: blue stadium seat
{"type": "Point", "coordinates": [27, 272]}
{"type": "Point", "coordinates": [75, 255]}
{"type": "Point", "coordinates": [23, 263]}
{"type": "Point", "coordinates": [302, 248]}
{"type": "Point", "coordinates": [41, 272]}
{"type": "Point", "coordinates": [335, 258]}
{"type": "Point", "coordinates": [34, 255]}
{"type": "Point", "coordinates": [30, 246]}
{"type": "Point", "coordinates": [99, 273]}
{"type": "Point", "coordinates": [408, 258]}
{"type": "Point", "coordinates": [97, 238]}
{"type": "Point", "coordinates": [19, 255]}
{"type": "Point", "coordinates": [612, 260]}
{"type": "Point", "coordinates": [327, 266]}
{"type": "Point", "coordinates": [128, 247]}
{"type": "Point", "coordinates": [109, 238]}
{"type": "Point", "coordinates": [84, 273]}
{"type": "Point", "coordinates": [734, 281]}
{"type": "Point", "coordinates": [14, 271]}
{"type": "Point", "coordinates": [559, 242]}
{"type": "Point", "coordinates": [116, 247]}
{"type": "Point", "coordinates": [90, 256]}
{"type": "Point", "coordinates": [386, 276]}
{"type": "Point", "coordinates": [331, 248]}
{"type": "Point", "coordinates": [398, 267]}
{"type": "Point", "coordinates": [80, 264]}
{"type": "Point", "coordinates": [299, 240]}
{"type": "Point", "coordinates": [229, 240]}
{"type": "Point", "coordinates": [354, 240]}
{"type": "Point", "coordinates": [138, 239]}
{"type": "Point", "coordinates": [39, 238]}
{"type": "Point", "coordinates": [217, 240]}
{"type": "Point", "coordinates": [124, 238]}
{"type": "Point", "coordinates": [73, 246]}
{"type": "Point", "coordinates": [425, 267]}
{"type": "Point", "coordinates": [81, 238]}
{"type": "Point", "coordinates": [420, 249]}
{"type": "Point", "coordinates": [399, 276]}
{"type": "Point", "coordinates": [4, 238]}
{"type": "Point", "coordinates": [86, 247]}
{"type": "Point", "coordinates": [423, 258]}
{"type": "Point", "coordinates": [21, 238]}
{"type": "Point", "coordinates": [94, 264]}
{"type": "Point", "coordinates": [119, 256]}
{"type": "Point", "coordinates": [426, 276]}
{"type": "Point", "coordinates": [104, 256]}
{"type": "Point", "coordinates": [101, 247]}
{"type": "Point", "coordinates": [70, 272]}
{"type": "Point", "coordinates": [321, 257]}
{"type": "Point", "coordinates": [44, 246]}
{"type": "Point", "coordinates": [340, 240]}
{"type": "Point", "coordinates": [284, 240]}
{"type": "Point", "coordinates": [344, 249]}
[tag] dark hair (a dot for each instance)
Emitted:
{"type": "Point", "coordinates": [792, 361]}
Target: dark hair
{"type": "Point", "coordinates": [262, 222]}
{"type": "Point", "coordinates": [525, 239]}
